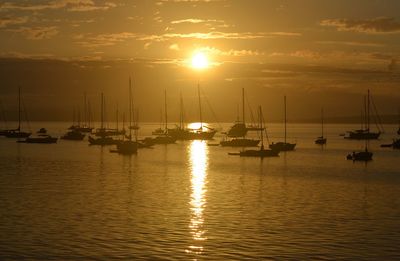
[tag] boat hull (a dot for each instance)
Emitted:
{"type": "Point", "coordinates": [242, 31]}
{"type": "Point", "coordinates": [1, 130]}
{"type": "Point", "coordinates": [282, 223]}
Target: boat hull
{"type": "Point", "coordinates": [103, 141]}
{"type": "Point", "coordinates": [186, 134]}
{"type": "Point", "coordinates": [40, 140]}
{"type": "Point", "coordinates": [259, 153]}
{"type": "Point", "coordinates": [73, 135]}
{"type": "Point", "coordinates": [240, 143]}
{"type": "Point", "coordinates": [320, 141]}
{"type": "Point", "coordinates": [363, 135]}
{"type": "Point", "coordinates": [159, 140]}
{"type": "Point", "coordinates": [127, 147]}
{"type": "Point", "coordinates": [360, 156]}
{"type": "Point", "coordinates": [17, 134]}
{"type": "Point", "coordinates": [282, 146]}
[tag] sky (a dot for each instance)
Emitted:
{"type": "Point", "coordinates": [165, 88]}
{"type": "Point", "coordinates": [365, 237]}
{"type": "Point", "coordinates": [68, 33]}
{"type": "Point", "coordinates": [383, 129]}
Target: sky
{"type": "Point", "coordinates": [318, 53]}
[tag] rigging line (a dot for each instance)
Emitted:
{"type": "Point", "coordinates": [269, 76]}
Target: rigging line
{"type": "Point", "coordinates": [26, 115]}
{"type": "Point", "coordinates": [250, 110]}
{"type": "Point", "coordinates": [212, 111]}
{"type": "Point", "coordinates": [265, 129]}
{"type": "Point", "coordinates": [379, 124]}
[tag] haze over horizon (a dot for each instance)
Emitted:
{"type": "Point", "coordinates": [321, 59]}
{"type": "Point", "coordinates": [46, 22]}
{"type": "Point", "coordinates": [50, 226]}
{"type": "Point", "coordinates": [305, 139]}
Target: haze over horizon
{"type": "Point", "coordinates": [320, 54]}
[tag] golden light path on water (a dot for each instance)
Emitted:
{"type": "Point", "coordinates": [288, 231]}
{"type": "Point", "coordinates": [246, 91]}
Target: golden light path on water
{"type": "Point", "coordinates": [198, 153]}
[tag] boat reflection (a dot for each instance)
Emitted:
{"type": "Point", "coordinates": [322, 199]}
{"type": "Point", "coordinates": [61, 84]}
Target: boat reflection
{"type": "Point", "coordinates": [198, 163]}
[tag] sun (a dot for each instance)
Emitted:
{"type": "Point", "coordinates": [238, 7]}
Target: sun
{"type": "Point", "coordinates": [199, 61]}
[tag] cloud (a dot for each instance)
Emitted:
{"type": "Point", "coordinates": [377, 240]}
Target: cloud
{"type": "Point", "coordinates": [231, 52]}
{"type": "Point", "coordinates": [6, 21]}
{"type": "Point", "coordinates": [71, 5]}
{"type": "Point", "coordinates": [174, 47]}
{"type": "Point", "coordinates": [216, 35]}
{"type": "Point", "coordinates": [93, 41]}
{"type": "Point", "coordinates": [191, 1]}
{"type": "Point", "coordinates": [365, 44]}
{"type": "Point", "coordinates": [371, 26]}
{"type": "Point", "coordinates": [37, 33]}
{"type": "Point", "coordinates": [20, 55]}
{"type": "Point", "coordinates": [298, 54]}
{"type": "Point", "coordinates": [104, 39]}
{"type": "Point", "coordinates": [195, 21]}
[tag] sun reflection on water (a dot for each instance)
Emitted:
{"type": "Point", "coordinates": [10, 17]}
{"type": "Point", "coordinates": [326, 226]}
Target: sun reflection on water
{"type": "Point", "coordinates": [198, 165]}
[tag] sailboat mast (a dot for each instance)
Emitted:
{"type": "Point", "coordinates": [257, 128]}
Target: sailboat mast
{"type": "Point", "coordinates": [123, 122]}
{"type": "Point", "coordinates": [89, 115]}
{"type": "Point", "coordinates": [102, 112]}
{"type": "Point", "coordinates": [243, 106]}
{"type": "Point", "coordinates": [201, 117]}
{"type": "Point", "coordinates": [84, 110]}
{"type": "Point", "coordinates": [261, 126]}
{"type": "Point", "coordinates": [322, 122]}
{"type": "Point", "coordinates": [117, 117]}
{"type": "Point", "coordinates": [368, 112]}
{"type": "Point", "coordinates": [19, 108]}
{"type": "Point", "coordinates": [284, 102]}
{"type": "Point", "coordinates": [365, 113]}
{"type": "Point", "coordinates": [181, 112]}
{"type": "Point", "coordinates": [166, 113]}
{"type": "Point", "coordinates": [130, 110]}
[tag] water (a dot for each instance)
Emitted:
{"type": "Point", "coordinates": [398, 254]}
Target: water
{"type": "Point", "coordinates": [191, 201]}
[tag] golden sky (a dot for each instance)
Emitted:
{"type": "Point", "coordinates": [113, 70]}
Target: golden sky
{"type": "Point", "coordinates": [309, 48]}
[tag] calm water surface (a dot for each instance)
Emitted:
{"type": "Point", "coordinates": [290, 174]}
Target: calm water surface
{"type": "Point", "coordinates": [191, 201]}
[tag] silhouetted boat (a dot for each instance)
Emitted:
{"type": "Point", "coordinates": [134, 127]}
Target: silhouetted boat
{"type": "Point", "coordinates": [182, 133]}
{"type": "Point", "coordinates": [163, 137]}
{"type": "Point", "coordinates": [365, 155]}
{"type": "Point", "coordinates": [42, 131]}
{"type": "Point", "coordinates": [102, 138]}
{"type": "Point", "coordinates": [73, 135]}
{"type": "Point", "coordinates": [283, 146]}
{"type": "Point", "coordinates": [261, 153]}
{"type": "Point", "coordinates": [238, 132]}
{"type": "Point", "coordinates": [395, 144]}
{"type": "Point", "coordinates": [364, 133]}
{"type": "Point", "coordinates": [43, 139]}
{"type": "Point", "coordinates": [321, 140]}
{"type": "Point", "coordinates": [85, 127]}
{"type": "Point", "coordinates": [17, 133]}
{"type": "Point", "coordinates": [128, 147]}
{"type": "Point", "coordinates": [398, 130]}
{"type": "Point", "coordinates": [360, 156]}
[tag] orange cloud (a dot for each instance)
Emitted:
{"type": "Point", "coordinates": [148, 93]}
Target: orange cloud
{"type": "Point", "coordinates": [376, 25]}
{"type": "Point", "coordinates": [37, 33]}
{"type": "Point", "coordinates": [71, 5]}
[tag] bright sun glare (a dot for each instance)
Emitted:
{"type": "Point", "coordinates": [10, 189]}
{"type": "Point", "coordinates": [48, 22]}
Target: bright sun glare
{"type": "Point", "coordinates": [199, 61]}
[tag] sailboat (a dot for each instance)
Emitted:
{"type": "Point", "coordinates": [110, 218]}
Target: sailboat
{"type": "Point", "coordinates": [261, 153]}
{"type": "Point", "coordinates": [42, 139]}
{"type": "Point", "coordinates": [365, 155]}
{"type": "Point", "coordinates": [110, 131]}
{"type": "Point", "coordinates": [17, 133]}
{"type": "Point", "coordinates": [161, 137]}
{"type": "Point", "coordinates": [103, 138]}
{"type": "Point", "coordinates": [128, 147]}
{"type": "Point", "coordinates": [182, 133]}
{"type": "Point", "coordinates": [73, 135]}
{"type": "Point", "coordinates": [85, 127]}
{"type": "Point", "coordinates": [321, 140]}
{"type": "Point", "coordinates": [283, 146]}
{"type": "Point", "coordinates": [364, 133]}
{"type": "Point", "coordinates": [238, 133]}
